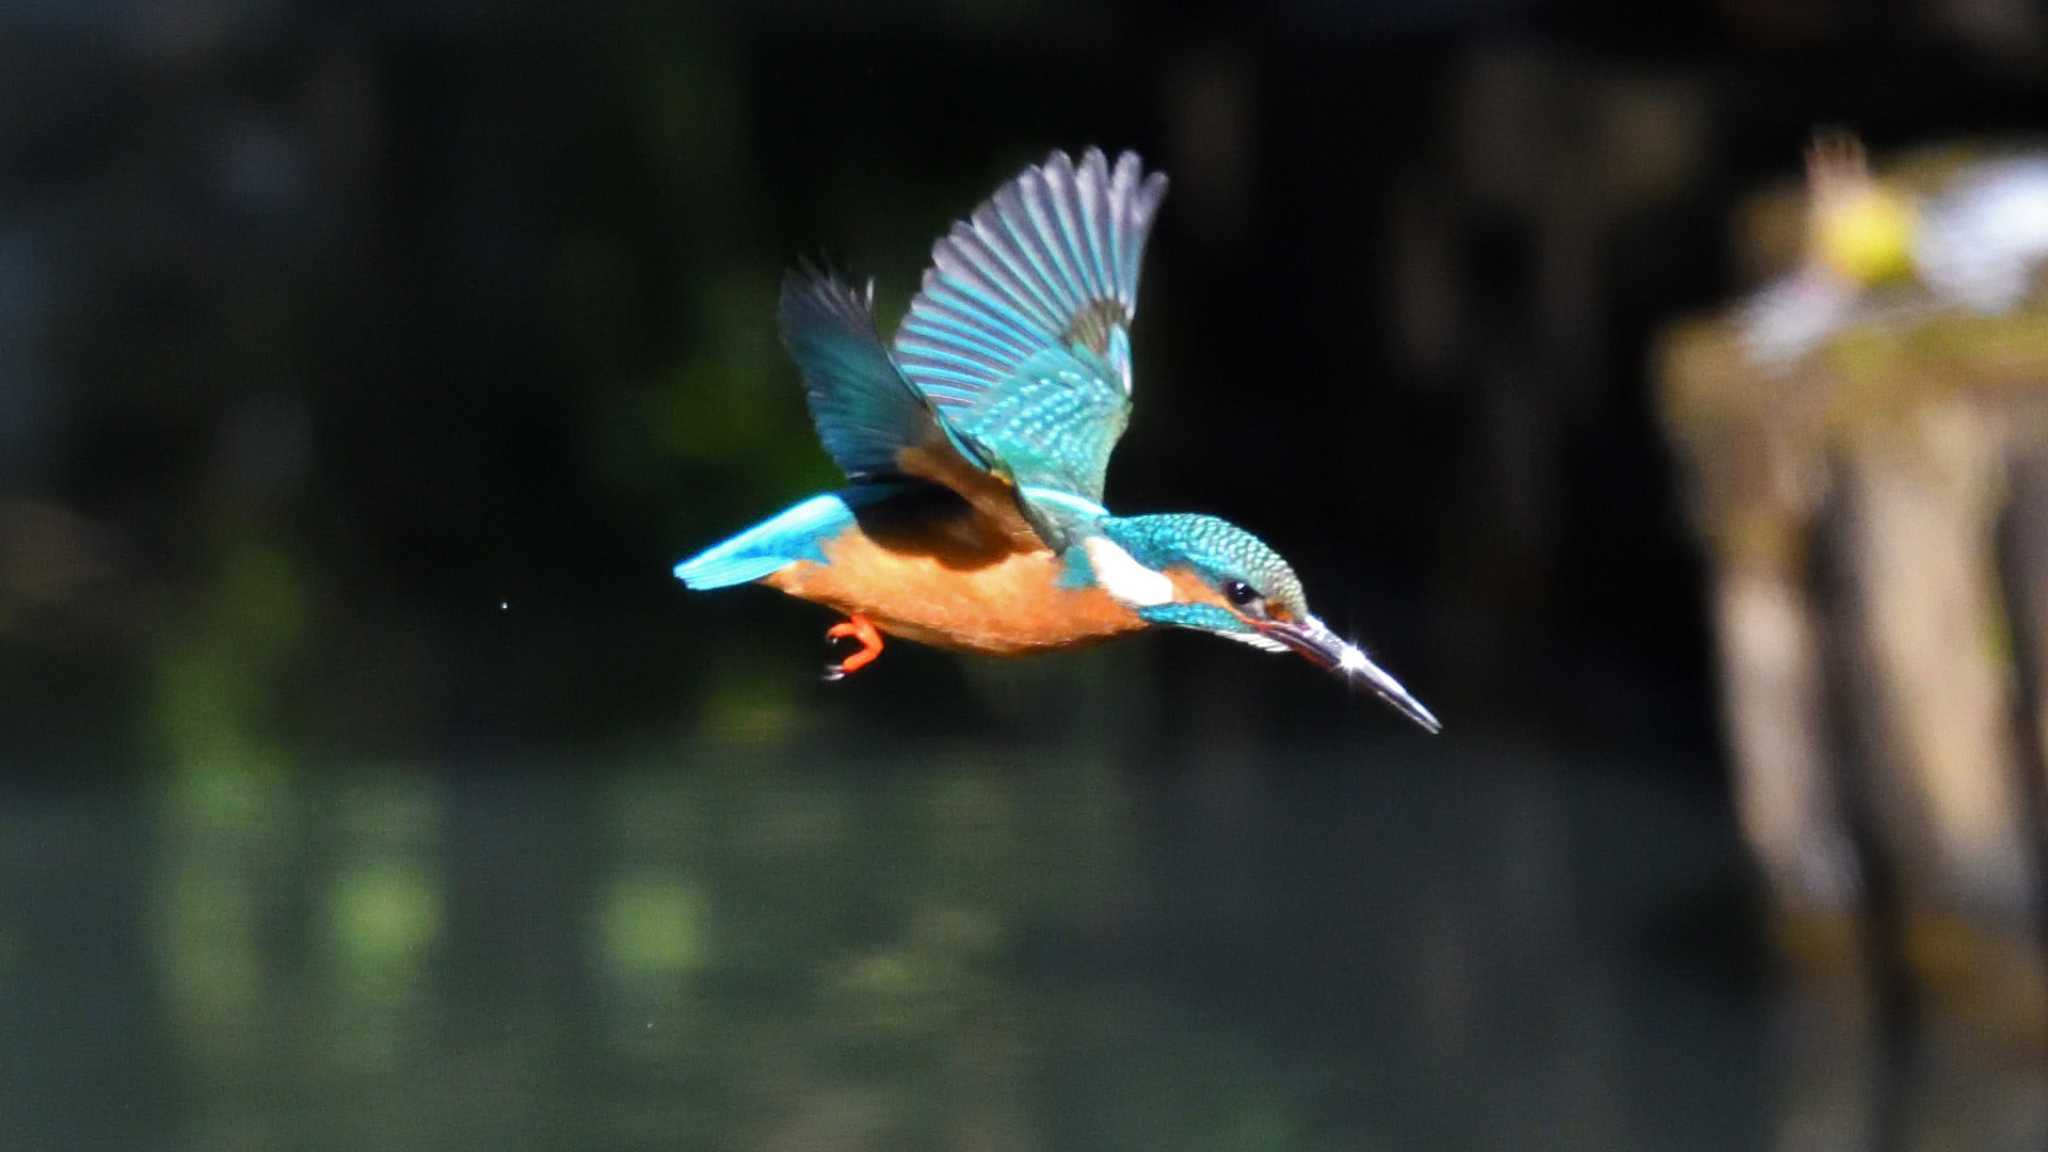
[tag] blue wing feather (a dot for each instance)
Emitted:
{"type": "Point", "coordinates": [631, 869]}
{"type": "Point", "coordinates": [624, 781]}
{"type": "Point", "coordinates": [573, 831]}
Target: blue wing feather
{"type": "Point", "coordinates": [863, 408]}
{"type": "Point", "coordinates": [1053, 425]}
{"type": "Point", "coordinates": [1020, 335]}
{"type": "Point", "coordinates": [1015, 355]}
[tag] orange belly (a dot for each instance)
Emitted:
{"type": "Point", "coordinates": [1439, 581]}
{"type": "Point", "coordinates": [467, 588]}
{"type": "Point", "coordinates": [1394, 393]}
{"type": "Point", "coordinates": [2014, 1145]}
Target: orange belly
{"type": "Point", "coordinates": [969, 591]}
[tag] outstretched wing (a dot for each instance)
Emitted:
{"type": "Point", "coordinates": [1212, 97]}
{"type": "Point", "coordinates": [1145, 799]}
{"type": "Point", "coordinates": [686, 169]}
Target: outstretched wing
{"type": "Point", "coordinates": [873, 423]}
{"type": "Point", "coordinates": [864, 410]}
{"type": "Point", "coordinates": [1020, 337]}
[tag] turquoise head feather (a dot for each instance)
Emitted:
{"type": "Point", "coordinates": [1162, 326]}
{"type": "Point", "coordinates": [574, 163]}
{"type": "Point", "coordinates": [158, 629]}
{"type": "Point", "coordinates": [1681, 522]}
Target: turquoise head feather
{"type": "Point", "coordinates": [1189, 570]}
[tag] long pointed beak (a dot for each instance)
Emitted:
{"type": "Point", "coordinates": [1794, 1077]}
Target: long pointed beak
{"type": "Point", "coordinates": [1329, 650]}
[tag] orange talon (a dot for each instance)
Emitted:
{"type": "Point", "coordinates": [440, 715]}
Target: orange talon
{"type": "Point", "coordinates": [859, 628]}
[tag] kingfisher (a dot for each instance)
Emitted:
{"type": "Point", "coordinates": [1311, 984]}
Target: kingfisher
{"type": "Point", "coordinates": [975, 445]}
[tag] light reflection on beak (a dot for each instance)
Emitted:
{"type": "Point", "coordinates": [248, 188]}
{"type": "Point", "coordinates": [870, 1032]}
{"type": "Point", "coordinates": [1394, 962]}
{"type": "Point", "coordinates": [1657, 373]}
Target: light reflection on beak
{"type": "Point", "coordinates": [1328, 650]}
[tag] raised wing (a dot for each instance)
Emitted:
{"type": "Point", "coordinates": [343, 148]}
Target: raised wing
{"type": "Point", "coordinates": [873, 423]}
{"type": "Point", "coordinates": [864, 410]}
{"type": "Point", "coordinates": [1020, 337]}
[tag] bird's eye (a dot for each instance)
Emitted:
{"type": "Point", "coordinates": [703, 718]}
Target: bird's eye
{"type": "Point", "coordinates": [1240, 593]}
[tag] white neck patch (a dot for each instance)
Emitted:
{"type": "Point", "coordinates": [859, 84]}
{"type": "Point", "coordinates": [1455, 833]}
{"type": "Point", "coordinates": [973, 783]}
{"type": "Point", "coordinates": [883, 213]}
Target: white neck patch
{"type": "Point", "coordinates": [1118, 573]}
{"type": "Point", "coordinates": [1067, 500]}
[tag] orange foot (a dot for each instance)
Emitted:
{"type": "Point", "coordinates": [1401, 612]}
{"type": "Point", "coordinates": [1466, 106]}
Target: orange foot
{"type": "Point", "coordinates": [859, 628]}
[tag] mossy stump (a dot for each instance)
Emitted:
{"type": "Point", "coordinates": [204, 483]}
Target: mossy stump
{"type": "Point", "coordinates": [1876, 523]}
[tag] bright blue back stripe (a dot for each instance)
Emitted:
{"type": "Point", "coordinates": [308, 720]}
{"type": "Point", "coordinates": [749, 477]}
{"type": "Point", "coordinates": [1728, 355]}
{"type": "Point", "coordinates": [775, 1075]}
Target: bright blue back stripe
{"type": "Point", "coordinates": [794, 534]}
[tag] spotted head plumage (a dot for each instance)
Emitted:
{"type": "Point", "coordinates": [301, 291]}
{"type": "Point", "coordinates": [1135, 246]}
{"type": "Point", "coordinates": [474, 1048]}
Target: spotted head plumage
{"type": "Point", "coordinates": [1189, 570]}
{"type": "Point", "coordinates": [1224, 578]}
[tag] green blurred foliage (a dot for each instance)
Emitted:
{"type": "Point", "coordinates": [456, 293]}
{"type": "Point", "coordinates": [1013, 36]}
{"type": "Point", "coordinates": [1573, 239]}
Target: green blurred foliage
{"type": "Point", "coordinates": [654, 924]}
{"type": "Point", "coordinates": [216, 673]}
{"type": "Point", "coordinates": [384, 916]}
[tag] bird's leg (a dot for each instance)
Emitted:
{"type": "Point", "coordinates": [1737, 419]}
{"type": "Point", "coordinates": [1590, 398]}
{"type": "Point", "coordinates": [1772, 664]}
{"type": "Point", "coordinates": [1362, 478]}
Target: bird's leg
{"type": "Point", "coordinates": [859, 628]}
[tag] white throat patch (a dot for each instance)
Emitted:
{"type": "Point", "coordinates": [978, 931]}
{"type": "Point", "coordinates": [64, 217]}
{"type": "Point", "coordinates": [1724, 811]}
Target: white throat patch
{"type": "Point", "coordinates": [1262, 643]}
{"type": "Point", "coordinates": [1118, 573]}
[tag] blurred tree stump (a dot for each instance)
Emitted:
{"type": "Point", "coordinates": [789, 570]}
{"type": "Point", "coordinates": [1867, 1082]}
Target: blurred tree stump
{"type": "Point", "coordinates": [1876, 518]}
{"type": "Point", "coordinates": [2026, 546]}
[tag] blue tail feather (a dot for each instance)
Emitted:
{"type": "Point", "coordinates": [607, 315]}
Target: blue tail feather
{"type": "Point", "coordinates": [796, 533]}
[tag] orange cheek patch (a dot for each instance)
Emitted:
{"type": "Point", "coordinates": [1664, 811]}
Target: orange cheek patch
{"type": "Point", "coordinates": [1189, 588]}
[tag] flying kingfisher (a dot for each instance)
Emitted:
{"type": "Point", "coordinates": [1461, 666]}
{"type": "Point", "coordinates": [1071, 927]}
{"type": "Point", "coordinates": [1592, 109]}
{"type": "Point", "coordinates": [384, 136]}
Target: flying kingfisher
{"type": "Point", "coordinates": [976, 443]}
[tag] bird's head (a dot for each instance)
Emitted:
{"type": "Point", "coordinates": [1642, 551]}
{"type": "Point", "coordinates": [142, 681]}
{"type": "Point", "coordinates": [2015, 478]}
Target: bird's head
{"type": "Point", "coordinates": [1186, 570]}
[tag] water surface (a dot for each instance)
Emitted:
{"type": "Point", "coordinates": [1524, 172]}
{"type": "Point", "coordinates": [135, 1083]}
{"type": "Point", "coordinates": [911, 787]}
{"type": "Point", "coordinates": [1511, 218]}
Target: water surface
{"type": "Point", "coordinates": [1395, 947]}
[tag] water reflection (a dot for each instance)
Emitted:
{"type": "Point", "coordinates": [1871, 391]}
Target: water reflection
{"type": "Point", "coordinates": [751, 952]}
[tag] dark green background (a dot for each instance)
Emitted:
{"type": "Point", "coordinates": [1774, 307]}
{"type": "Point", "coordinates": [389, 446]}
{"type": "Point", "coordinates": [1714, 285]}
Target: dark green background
{"type": "Point", "coordinates": [370, 784]}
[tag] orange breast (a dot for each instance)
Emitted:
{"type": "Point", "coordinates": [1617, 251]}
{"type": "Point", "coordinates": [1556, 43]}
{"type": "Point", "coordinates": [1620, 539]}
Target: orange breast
{"type": "Point", "coordinates": [962, 585]}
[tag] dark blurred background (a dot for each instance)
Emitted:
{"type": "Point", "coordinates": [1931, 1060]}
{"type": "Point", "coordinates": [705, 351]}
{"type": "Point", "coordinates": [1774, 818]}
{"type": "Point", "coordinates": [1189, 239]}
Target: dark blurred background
{"type": "Point", "coordinates": [363, 370]}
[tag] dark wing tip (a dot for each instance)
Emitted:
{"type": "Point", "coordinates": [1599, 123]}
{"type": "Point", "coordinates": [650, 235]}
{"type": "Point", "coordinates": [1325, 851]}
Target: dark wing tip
{"type": "Point", "coordinates": [809, 273]}
{"type": "Point", "coordinates": [813, 290]}
{"type": "Point", "coordinates": [810, 269]}
{"type": "Point", "coordinates": [808, 280]}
